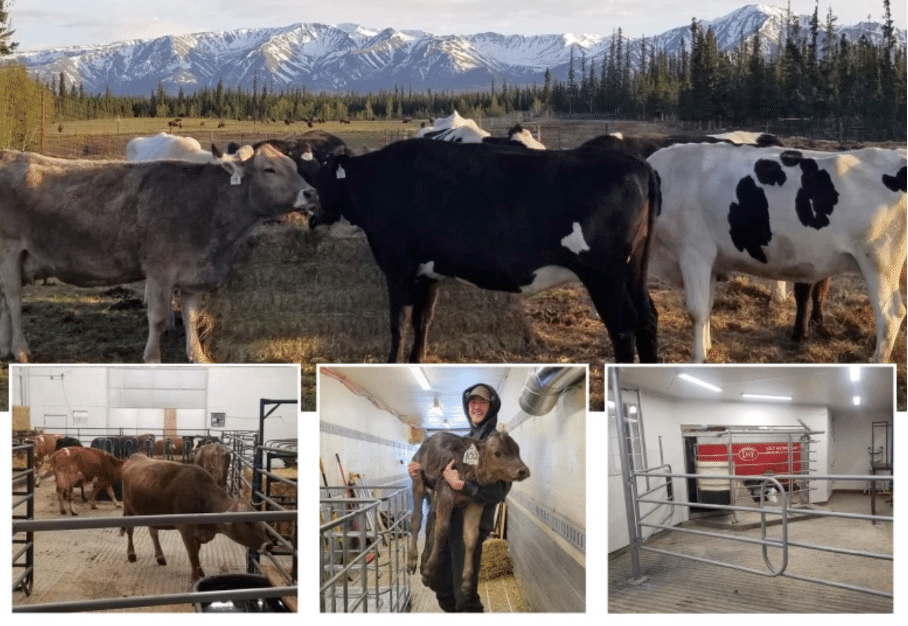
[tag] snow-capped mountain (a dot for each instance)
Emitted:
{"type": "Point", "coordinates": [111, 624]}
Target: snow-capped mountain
{"type": "Point", "coordinates": [350, 57]}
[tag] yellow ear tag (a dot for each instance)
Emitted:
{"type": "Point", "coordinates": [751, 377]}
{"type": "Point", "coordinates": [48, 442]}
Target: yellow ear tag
{"type": "Point", "coordinates": [471, 456]}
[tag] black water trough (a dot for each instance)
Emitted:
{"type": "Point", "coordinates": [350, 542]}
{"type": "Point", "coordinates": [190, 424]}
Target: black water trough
{"type": "Point", "coordinates": [229, 582]}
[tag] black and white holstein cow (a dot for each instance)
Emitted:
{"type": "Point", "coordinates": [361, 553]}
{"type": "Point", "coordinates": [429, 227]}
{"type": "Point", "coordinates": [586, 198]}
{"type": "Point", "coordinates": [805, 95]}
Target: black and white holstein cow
{"type": "Point", "coordinates": [97, 223]}
{"type": "Point", "coordinates": [785, 215]}
{"type": "Point", "coordinates": [486, 214]}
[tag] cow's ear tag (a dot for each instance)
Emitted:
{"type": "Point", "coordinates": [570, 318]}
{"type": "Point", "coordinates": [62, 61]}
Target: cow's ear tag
{"type": "Point", "coordinates": [236, 178]}
{"type": "Point", "coordinates": [340, 172]}
{"type": "Point", "coordinates": [471, 456]}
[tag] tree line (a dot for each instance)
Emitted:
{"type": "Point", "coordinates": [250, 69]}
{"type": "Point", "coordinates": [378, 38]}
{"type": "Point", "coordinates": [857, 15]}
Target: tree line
{"type": "Point", "coordinates": [815, 75]}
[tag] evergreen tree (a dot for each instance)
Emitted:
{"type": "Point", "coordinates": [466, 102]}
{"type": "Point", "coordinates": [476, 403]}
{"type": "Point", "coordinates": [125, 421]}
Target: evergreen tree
{"type": "Point", "coordinates": [7, 45]}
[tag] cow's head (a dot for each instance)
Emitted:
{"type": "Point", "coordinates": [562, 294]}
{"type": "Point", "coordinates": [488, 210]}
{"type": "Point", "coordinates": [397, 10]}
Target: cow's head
{"type": "Point", "coordinates": [331, 182]}
{"type": "Point", "coordinates": [274, 182]}
{"type": "Point", "coordinates": [250, 534]}
{"type": "Point", "coordinates": [499, 459]}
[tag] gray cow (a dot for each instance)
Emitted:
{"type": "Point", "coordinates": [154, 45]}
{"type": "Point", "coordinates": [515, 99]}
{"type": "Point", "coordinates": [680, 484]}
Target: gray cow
{"type": "Point", "coordinates": [97, 223]}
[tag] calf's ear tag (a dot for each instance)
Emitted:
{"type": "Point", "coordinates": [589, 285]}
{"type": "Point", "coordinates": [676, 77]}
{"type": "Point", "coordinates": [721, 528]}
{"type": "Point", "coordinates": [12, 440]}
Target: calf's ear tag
{"type": "Point", "coordinates": [340, 172]}
{"type": "Point", "coordinates": [236, 178]}
{"type": "Point", "coordinates": [471, 456]}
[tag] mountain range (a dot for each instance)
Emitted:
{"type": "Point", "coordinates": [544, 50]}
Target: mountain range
{"type": "Point", "coordinates": [350, 57]}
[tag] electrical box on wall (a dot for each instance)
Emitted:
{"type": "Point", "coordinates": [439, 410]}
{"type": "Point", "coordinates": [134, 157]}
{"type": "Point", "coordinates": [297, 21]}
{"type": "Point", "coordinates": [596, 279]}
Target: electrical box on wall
{"type": "Point", "coordinates": [218, 420]}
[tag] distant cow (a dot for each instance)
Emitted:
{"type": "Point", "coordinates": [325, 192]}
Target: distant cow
{"type": "Point", "coordinates": [166, 146]}
{"type": "Point", "coordinates": [175, 224]}
{"type": "Point", "coordinates": [169, 447]}
{"type": "Point", "coordinates": [73, 467]}
{"type": "Point", "coordinates": [215, 459]}
{"type": "Point", "coordinates": [485, 214]}
{"type": "Point", "coordinates": [152, 487]}
{"type": "Point", "coordinates": [309, 151]}
{"type": "Point", "coordinates": [785, 215]}
{"type": "Point", "coordinates": [480, 461]}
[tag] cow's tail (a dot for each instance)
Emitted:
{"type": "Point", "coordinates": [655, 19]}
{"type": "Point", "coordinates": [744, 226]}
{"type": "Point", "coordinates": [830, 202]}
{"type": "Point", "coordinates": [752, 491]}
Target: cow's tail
{"type": "Point", "coordinates": [647, 318]}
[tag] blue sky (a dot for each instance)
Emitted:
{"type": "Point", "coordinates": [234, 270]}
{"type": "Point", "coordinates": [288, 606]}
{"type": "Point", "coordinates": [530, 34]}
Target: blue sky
{"type": "Point", "coordinates": [40, 24]}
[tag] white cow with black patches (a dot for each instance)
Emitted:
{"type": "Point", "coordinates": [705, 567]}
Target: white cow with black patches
{"type": "Point", "coordinates": [785, 215]}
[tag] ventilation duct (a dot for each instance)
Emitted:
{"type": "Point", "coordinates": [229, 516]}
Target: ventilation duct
{"type": "Point", "coordinates": [545, 385]}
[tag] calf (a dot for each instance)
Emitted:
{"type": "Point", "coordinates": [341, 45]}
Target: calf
{"type": "Point", "coordinates": [45, 445]}
{"type": "Point", "coordinates": [215, 459]}
{"type": "Point", "coordinates": [762, 489]}
{"type": "Point", "coordinates": [74, 466]}
{"type": "Point", "coordinates": [152, 487]}
{"type": "Point", "coordinates": [480, 461]}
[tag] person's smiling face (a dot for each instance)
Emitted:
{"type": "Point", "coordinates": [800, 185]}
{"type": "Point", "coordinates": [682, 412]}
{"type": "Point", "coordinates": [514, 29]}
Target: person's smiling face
{"type": "Point", "coordinates": [479, 408]}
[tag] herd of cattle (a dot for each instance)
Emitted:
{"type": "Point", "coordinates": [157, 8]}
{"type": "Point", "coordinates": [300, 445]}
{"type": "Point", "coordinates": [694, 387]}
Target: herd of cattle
{"type": "Point", "coordinates": [502, 214]}
{"type": "Point", "coordinates": [151, 486]}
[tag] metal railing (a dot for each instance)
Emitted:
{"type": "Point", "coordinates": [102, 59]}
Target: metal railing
{"type": "Point", "coordinates": [24, 495]}
{"type": "Point", "coordinates": [363, 551]}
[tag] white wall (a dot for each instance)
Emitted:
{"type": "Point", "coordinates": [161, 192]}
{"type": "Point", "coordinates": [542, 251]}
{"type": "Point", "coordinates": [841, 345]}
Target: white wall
{"type": "Point", "coordinates": [663, 417]}
{"type": "Point", "coordinates": [135, 397]}
{"type": "Point", "coordinates": [851, 438]}
{"type": "Point", "coordinates": [369, 441]}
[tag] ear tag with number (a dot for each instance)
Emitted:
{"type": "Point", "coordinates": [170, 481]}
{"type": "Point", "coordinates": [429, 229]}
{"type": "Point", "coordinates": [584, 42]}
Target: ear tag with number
{"type": "Point", "coordinates": [471, 456]}
{"type": "Point", "coordinates": [341, 173]}
{"type": "Point", "coordinates": [236, 178]}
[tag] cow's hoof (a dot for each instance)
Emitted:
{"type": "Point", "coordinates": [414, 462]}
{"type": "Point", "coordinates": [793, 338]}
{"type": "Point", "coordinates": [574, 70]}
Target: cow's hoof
{"type": "Point", "coordinates": [131, 558]}
{"type": "Point", "coordinates": [162, 560]}
{"type": "Point", "coordinates": [466, 590]}
{"type": "Point", "coordinates": [426, 582]}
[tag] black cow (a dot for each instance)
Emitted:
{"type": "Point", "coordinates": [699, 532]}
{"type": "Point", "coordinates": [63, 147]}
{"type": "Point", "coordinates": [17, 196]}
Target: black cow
{"type": "Point", "coordinates": [502, 218]}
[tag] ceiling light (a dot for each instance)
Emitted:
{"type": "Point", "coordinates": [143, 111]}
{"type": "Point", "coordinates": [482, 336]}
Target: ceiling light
{"type": "Point", "coordinates": [697, 381]}
{"type": "Point", "coordinates": [420, 377]}
{"type": "Point", "coordinates": [762, 396]}
{"type": "Point", "coordinates": [856, 400]}
{"type": "Point", "coordinates": [855, 371]}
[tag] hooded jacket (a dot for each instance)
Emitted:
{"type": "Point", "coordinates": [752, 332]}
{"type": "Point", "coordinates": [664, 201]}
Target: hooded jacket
{"type": "Point", "coordinates": [488, 495]}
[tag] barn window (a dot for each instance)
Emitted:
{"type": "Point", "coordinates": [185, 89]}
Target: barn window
{"type": "Point", "coordinates": [80, 418]}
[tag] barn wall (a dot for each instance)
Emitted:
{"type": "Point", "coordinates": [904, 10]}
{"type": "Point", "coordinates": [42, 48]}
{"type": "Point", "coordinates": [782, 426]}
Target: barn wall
{"type": "Point", "coordinates": [851, 438]}
{"type": "Point", "coordinates": [136, 397]}
{"type": "Point", "coordinates": [369, 441]}
{"type": "Point", "coordinates": [664, 417]}
{"type": "Point", "coordinates": [547, 512]}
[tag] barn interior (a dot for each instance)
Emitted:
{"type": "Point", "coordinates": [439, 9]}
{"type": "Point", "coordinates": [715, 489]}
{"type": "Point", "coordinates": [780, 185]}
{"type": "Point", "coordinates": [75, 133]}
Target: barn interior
{"type": "Point", "coordinates": [373, 419]}
{"type": "Point", "coordinates": [65, 563]}
{"type": "Point", "coordinates": [751, 489]}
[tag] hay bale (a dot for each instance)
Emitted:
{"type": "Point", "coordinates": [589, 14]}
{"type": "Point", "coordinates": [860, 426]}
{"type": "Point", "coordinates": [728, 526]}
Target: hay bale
{"type": "Point", "coordinates": [496, 562]}
{"type": "Point", "coordinates": [295, 296]}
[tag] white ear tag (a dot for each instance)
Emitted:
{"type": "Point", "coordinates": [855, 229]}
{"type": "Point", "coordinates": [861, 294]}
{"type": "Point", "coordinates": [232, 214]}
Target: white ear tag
{"type": "Point", "coordinates": [236, 178]}
{"type": "Point", "coordinates": [471, 456]}
{"type": "Point", "coordinates": [340, 172]}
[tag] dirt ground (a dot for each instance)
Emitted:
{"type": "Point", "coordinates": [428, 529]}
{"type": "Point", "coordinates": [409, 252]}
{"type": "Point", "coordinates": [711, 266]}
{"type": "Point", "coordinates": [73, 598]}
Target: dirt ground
{"type": "Point", "coordinates": [70, 325]}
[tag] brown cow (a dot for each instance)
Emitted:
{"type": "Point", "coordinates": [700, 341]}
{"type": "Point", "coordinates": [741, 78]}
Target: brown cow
{"type": "Point", "coordinates": [215, 459]}
{"type": "Point", "coordinates": [74, 466]}
{"type": "Point", "coordinates": [152, 487]}
{"type": "Point", "coordinates": [175, 224]}
{"type": "Point", "coordinates": [45, 446]}
{"type": "Point", "coordinates": [481, 461]}
{"type": "Point", "coordinates": [169, 447]}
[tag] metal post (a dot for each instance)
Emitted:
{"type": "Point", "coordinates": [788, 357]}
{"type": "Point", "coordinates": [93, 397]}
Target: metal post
{"type": "Point", "coordinates": [628, 480]}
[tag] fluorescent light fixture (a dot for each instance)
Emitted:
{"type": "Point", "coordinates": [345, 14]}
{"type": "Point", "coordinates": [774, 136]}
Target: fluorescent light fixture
{"type": "Point", "coordinates": [763, 396]}
{"type": "Point", "coordinates": [697, 381]}
{"type": "Point", "coordinates": [856, 400]}
{"type": "Point", "coordinates": [420, 377]}
{"type": "Point", "coordinates": [855, 371]}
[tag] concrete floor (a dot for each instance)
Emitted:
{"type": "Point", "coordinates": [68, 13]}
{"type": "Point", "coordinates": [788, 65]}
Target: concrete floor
{"type": "Point", "coordinates": [678, 585]}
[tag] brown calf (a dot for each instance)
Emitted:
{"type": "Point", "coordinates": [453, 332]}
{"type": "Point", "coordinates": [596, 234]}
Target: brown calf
{"type": "Point", "coordinates": [152, 487]}
{"type": "Point", "coordinates": [480, 461]}
{"type": "Point", "coordinates": [74, 466]}
{"type": "Point", "coordinates": [45, 446]}
{"type": "Point", "coordinates": [215, 459]}
{"type": "Point", "coordinates": [169, 447]}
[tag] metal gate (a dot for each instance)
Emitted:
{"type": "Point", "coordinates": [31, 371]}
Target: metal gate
{"type": "Point", "coordinates": [24, 496]}
{"type": "Point", "coordinates": [642, 498]}
{"type": "Point", "coordinates": [363, 546]}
